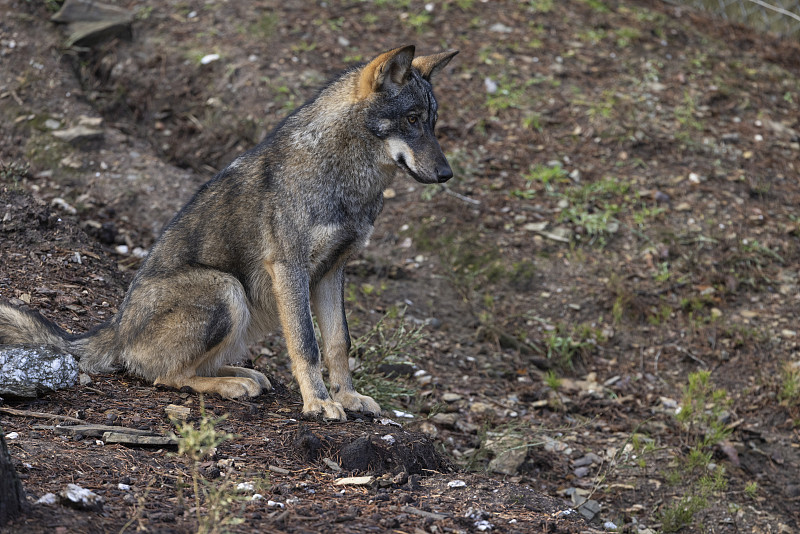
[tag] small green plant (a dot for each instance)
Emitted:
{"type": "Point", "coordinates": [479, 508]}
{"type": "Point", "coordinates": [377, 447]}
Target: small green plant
{"type": "Point", "coordinates": [547, 175]}
{"type": "Point", "coordinates": [646, 213]}
{"type": "Point", "coordinates": [510, 93]}
{"type": "Point", "coordinates": [626, 35]}
{"type": "Point", "coordinates": [660, 315]}
{"type": "Point", "coordinates": [419, 21]}
{"type": "Point", "coordinates": [143, 13]}
{"type": "Point", "coordinates": [13, 173]}
{"type": "Point", "coordinates": [565, 347]}
{"type": "Point", "coordinates": [643, 447]}
{"type": "Point", "coordinates": [552, 380]}
{"type": "Point", "coordinates": [756, 248]}
{"type": "Point", "coordinates": [662, 272]}
{"type": "Point", "coordinates": [264, 26]}
{"type": "Point", "coordinates": [701, 415]}
{"type": "Point", "coordinates": [53, 5]}
{"type": "Point", "coordinates": [686, 115]}
{"type": "Point", "coordinates": [594, 206]}
{"type": "Point", "coordinates": [533, 121]}
{"type": "Point", "coordinates": [790, 385]}
{"type": "Point", "coordinates": [702, 408]}
{"type": "Point", "coordinates": [541, 6]}
{"type": "Point", "coordinates": [389, 342]}
{"type": "Point", "coordinates": [304, 46]}
{"type": "Point", "coordinates": [597, 5]}
{"type": "Point", "coordinates": [212, 502]}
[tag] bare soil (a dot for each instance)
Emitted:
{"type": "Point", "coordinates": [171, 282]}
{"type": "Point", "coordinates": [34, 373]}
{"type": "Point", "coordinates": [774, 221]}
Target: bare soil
{"type": "Point", "coordinates": [624, 214]}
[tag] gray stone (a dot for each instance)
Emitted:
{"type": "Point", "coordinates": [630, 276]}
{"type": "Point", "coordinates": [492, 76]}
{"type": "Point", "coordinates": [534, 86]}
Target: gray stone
{"type": "Point", "coordinates": [89, 22]}
{"type": "Point", "coordinates": [588, 459]}
{"type": "Point", "coordinates": [27, 371]}
{"type": "Point", "coordinates": [123, 438]}
{"type": "Point", "coordinates": [581, 472]}
{"type": "Point", "coordinates": [589, 509]}
{"type": "Point", "coordinates": [79, 133]}
{"type": "Point", "coordinates": [445, 419]}
{"type": "Point", "coordinates": [510, 453]}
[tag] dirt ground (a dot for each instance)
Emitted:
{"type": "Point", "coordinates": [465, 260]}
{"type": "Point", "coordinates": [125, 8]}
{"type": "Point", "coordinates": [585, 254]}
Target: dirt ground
{"type": "Point", "coordinates": [598, 310]}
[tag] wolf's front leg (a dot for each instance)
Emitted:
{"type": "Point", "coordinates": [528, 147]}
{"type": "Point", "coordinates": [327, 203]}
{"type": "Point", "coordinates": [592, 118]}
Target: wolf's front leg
{"type": "Point", "coordinates": [292, 294]}
{"type": "Point", "coordinates": [328, 300]}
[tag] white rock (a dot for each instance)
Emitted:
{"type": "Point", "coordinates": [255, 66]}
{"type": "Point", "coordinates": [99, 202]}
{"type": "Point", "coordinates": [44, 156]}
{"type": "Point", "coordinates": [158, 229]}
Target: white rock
{"type": "Point", "coordinates": [451, 397]}
{"type": "Point", "coordinates": [62, 204]}
{"type": "Point", "coordinates": [209, 58]}
{"type": "Point", "coordinates": [535, 227]}
{"type": "Point", "coordinates": [82, 498]}
{"type": "Point", "coordinates": [456, 484]}
{"type": "Point", "coordinates": [28, 371]}
{"type": "Point", "coordinates": [47, 498]}
{"type": "Point", "coordinates": [355, 481]}
{"type": "Point", "coordinates": [245, 486]}
{"type": "Point", "coordinates": [499, 27]}
{"type": "Point", "coordinates": [483, 525]}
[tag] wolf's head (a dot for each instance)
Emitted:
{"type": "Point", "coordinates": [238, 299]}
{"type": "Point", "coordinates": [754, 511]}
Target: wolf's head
{"type": "Point", "coordinates": [403, 111]}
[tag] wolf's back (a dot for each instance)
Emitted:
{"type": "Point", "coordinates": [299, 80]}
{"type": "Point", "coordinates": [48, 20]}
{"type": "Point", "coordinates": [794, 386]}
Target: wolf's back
{"type": "Point", "coordinates": [93, 350]}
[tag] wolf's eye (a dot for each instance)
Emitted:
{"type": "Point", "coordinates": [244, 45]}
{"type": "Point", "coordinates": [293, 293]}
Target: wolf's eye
{"type": "Point", "coordinates": [412, 119]}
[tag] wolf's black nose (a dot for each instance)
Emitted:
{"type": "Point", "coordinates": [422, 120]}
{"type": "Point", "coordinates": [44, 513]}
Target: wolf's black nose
{"type": "Point", "coordinates": [444, 173]}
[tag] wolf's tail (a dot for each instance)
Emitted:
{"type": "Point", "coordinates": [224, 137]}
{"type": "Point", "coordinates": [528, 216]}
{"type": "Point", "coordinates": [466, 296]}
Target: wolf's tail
{"type": "Point", "coordinates": [94, 350]}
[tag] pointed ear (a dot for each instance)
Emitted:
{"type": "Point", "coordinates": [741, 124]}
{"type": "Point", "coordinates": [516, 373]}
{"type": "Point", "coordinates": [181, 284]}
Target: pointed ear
{"type": "Point", "coordinates": [430, 66]}
{"type": "Point", "coordinates": [390, 68]}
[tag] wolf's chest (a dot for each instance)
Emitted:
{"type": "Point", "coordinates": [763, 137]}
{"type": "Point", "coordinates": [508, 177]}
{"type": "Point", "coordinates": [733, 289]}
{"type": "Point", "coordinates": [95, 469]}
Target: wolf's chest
{"type": "Point", "coordinates": [329, 242]}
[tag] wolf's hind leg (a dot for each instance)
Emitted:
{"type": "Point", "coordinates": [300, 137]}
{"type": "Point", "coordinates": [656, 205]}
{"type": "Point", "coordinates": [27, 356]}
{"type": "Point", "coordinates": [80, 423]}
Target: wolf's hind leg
{"type": "Point", "coordinates": [182, 331]}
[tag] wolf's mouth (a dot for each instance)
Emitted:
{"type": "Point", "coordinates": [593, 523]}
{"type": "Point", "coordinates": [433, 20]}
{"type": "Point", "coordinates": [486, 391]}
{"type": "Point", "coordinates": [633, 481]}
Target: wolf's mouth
{"type": "Point", "coordinates": [401, 162]}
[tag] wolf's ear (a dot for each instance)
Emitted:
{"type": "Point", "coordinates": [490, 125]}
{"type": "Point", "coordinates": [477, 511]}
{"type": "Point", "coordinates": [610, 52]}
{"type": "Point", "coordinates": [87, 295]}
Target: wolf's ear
{"type": "Point", "coordinates": [391, 68]}
{"type": "Point", "coordinates": [430, 66]}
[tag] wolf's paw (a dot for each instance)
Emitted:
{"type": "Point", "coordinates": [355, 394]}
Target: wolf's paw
{"type": "Point", "coordinates": [328, 409]}
{"type": "Point", "coordinates": [230, 387]}
{"type": "Point", "coordinates": [243, 372]}
{"type": "Point", "coordinates": [234, 387]}
{"type": "Point", "coordinates": [356, 402]}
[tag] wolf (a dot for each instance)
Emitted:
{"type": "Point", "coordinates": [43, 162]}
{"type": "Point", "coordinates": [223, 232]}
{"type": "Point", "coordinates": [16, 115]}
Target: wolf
{"type": "Point", "coordinates": [264, 243]}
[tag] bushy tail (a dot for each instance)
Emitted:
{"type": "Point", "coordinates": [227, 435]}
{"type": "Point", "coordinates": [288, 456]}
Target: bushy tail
{"type": "Point", "coordinates": [94, 350]}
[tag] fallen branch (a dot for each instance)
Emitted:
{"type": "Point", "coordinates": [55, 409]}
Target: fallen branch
{"type": "Point", "coordinates": [39, 415]}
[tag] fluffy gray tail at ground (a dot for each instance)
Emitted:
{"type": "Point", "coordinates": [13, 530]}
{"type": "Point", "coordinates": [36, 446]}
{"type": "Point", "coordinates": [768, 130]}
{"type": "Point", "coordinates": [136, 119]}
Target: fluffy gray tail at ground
{"type": "Point", "coordinates": [19, 326]}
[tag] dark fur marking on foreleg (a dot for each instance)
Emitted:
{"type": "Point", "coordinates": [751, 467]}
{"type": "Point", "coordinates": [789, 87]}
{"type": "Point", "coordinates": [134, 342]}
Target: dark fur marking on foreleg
{"type": "Point", "coordinates": [309, 348]}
